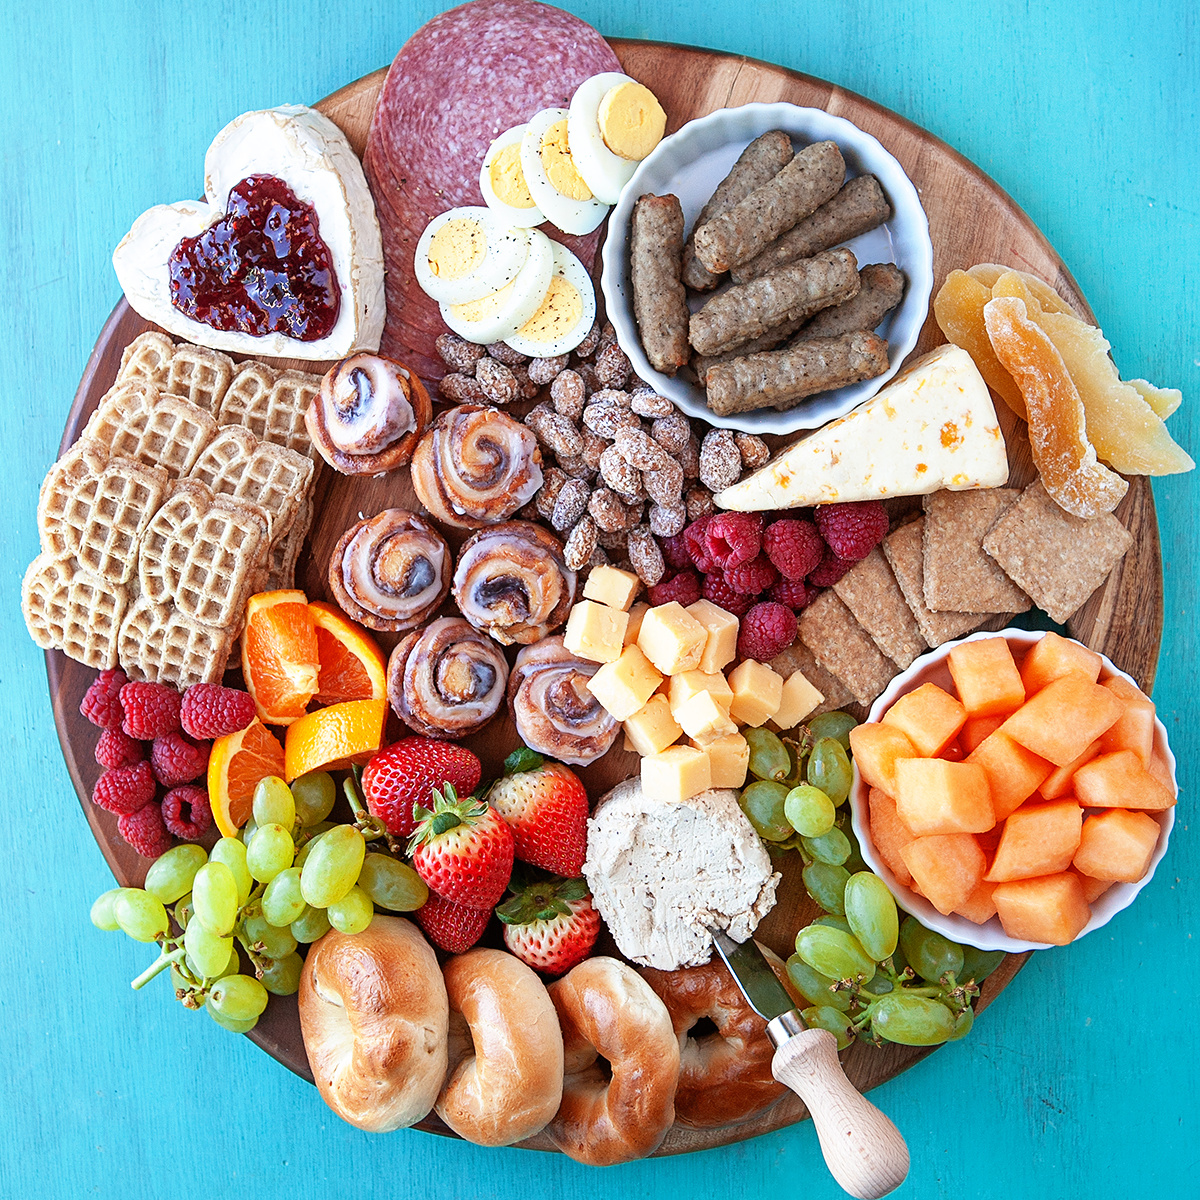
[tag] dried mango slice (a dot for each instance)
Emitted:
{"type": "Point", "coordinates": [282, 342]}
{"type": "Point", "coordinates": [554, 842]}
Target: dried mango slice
{"type": "Point", "coordinates": [1048, 298]}
{"type": "Point", "coordinates": [1125, 431]}
{"type": "Point", "coordinates": [958, 308]}
{"type": "Point", "coordinates": [1064, 457]}
{"type": "Point", "coordinates": [1164, 401]}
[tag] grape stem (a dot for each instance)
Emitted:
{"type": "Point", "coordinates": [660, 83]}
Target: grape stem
{"type": "Point", "coordinates": [160, 964]}
{"type": "Point", "coordinates": [369, 825]}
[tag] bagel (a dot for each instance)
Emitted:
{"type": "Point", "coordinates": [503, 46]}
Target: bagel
{"type": "Point", "coordinates": [374, 1016]}
{"type": "Point", "coordinates": [506, 1050]}
{"type": "Point", "coordinates": [607, 1010]}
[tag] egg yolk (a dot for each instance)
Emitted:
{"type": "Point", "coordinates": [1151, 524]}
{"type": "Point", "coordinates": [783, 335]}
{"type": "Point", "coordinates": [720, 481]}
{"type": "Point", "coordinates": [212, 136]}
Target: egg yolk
{"type": "Point", "coordinates": [559, 312]}
{"type": "Point", "coordinates": [559, 166]}
{"type": "Point", "coordinates": [457, 249]}
{"type": "Point", "coordinates": [485, 307]}
{"type": "Point", "coordinates": [507, 178]}
{"type": "Point", "coordinates": [631, 120]}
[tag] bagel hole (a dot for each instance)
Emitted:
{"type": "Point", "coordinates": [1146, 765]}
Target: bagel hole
{"type": "Point", "coordinates": [703, 1028]}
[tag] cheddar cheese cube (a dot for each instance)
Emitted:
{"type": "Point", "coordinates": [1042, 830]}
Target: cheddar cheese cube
{"type": "Point", "coordinates": [702, 718]}
{"type": "Point", "coordinates": [757, 692]}
{"type": "Point", "coordinates": [676, 774]}
{"type": "Point", "coordinates": [672, 639]}
{"type": "Point", "coordinates": [625, 685]}
{"type": "Point", "coordinates": [612, 586]}
{"type": "Point", "coordinates": [636, 613]}
{"type": "Point", "coordinates": [687, 684]}
{"type": "Point", "coordinates": [729, 760]}
{"type": "Point", "coordinates": [652, 728]}
{"type": "Point", "coordinates": [721, 628]}
{"type": "Point", "coordinates": [596, 631]}
{"type": "Point", "coordinates": [797, 700]}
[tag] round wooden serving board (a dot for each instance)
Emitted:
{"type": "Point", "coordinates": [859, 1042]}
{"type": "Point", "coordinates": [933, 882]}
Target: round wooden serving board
{"type": "Point", "coordinates": [970, 219]}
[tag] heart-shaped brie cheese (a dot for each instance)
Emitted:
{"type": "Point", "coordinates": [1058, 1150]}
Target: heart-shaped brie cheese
{"type": "Point", "coordinates": [312, 157]}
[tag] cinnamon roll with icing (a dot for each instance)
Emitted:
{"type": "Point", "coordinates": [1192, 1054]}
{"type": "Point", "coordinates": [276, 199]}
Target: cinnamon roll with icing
{"type": "Point", "coordinates": [391, 571]}
{"type": "Point", "coordinates": [446, 680]}
{"type": "Point", "coordinates": [512, 581]}
{"type": "Point", "coordinates": [555, 713]}
{"type": "Point", "coordinates": [476, 466]}
{"type": "Point", "coordinates": [368, 415]}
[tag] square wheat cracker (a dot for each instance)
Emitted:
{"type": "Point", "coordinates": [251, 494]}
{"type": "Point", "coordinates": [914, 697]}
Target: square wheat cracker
{"type": "Point", "coordinates": [843, 647]}
{"type": "Point", "coordinates": [870, 591]}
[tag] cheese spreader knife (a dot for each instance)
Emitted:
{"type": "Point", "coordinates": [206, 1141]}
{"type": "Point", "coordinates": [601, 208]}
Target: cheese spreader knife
{"type": "Point", "coordinates": [863, 1150]}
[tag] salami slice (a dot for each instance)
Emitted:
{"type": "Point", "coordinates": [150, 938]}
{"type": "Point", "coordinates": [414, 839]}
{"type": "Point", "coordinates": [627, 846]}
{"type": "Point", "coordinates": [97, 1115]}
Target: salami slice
{"type": "Point", "coordinates": [457, 83]}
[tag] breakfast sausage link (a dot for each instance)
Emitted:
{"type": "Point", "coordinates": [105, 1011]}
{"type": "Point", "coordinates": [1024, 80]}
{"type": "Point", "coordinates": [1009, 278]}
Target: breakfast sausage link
{"type": "Point", "coordinates": [761, 161]}
{"type": "Point", "coordinates": [752, 309]}
{"type": "Point", "coordinates": [783, 377]}
{"type": "Point", "coordinates": [738, 234]}
{"type": "Point", "coordinates": [659, 301]}
{"type": "Point", "coordinates": [881, 285]}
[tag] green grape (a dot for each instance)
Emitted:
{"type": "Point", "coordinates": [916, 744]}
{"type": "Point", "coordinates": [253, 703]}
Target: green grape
{"type": "Point", "coordinates": [232, 853]}
{"type": "Point", "coordinates": [310, 925]}
{"type": "Point", "coordinates": [332, 867]}
{"type": "Point", "coordinates": [273, 803]}
{"type": "Point", "coordinates": [270, 851]}
{"type": "Point", "coordinates": [871, 911]}
{"type": "Point", "coordinates": [832, 847]}
{"type": "Point", "coordinates": [281, 976]}
{"type": "Point", "coordinates": [170, 875]}
{"type": "Point", "coordinates": [139, 914]}
{"type": "Point", "coordinates": [208, 953]}
{"type": "Point", "coordinates": [928, 953]}
{"type": "Point", "coordinates": [815, 987]}
{"type": "Point", "coordinates": [102, 914]}
{"type": "Point", "coordinates": [978, 964]}
{"type": "Point", "coordinates": [264, 938]}
{"type": "Point", "coordinates": [827, 886]}
{"type": "Point", "coordinates": [809, 811]}
{"type": "Point", "coordinates": [215, 898]}
{"type": "Point", "coordinates": [392, 884]}
{"type": "Point", "coordinates": [834, 922]}
{"type": "Point", "coordinates": [352, 913]}
{"type": "Point", "coordinates": [248, 830]}
{"type": "Point", "coordinates": [763, 802]}
{"type": "Point", "coordinates": [184, 911]}
{"type": "Point", "coordinates": [911, 1020]}
{"type": "Point", "coordinates": [836, 725]}
{"type": "Point", "coordinates": [769, 758]}
{"type": "Point", "coordinates": [963, 1024]}
{"type": "Point", "coordinates": [313, 795]}
{"type": "Point", "coordinates": [282, 902]}
{"type": "Point", "coordinates": [231, 967]}
{"type": "Point", "coordinates": [899, 962]}
{"type": "Point", "coordinates": [238, 998]}
{"type": "Point", "coordinates": [829, 769]}
{"type": "Point", "coordinates": [316, 833]}
{"type": "Point", "coordinates": [226, 1023]}
{"type": "Point", "coordinates": [879, 986]}
{"type": "Point", "coordinates": [834, 953]}
{"type": "Point", "coordinates": [825, 1017]}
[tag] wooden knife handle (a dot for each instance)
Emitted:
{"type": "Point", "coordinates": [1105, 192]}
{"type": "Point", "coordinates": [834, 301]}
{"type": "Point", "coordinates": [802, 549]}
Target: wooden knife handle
{"type": "Point", "coordinates": [864, 1151]}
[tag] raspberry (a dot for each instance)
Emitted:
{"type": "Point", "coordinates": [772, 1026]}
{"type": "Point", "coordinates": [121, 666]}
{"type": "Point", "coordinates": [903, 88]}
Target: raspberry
{"type": "Point", "coordinates": [715, 588]}
{"type": "Point", "coordinates": [830, 571]}
{"type": "Point", "coordinates": [767, 630]}
{"type": "Point", "coordinates": [794, 547]}
{"type": "Point", "coordinates": [150, 709]}
{"type": "Point", "coordinates": [675, 550]}
{"type": "Point", "coordinates": [145, 831]}
{"type": "Point", "coordinates": [102, 701]}
{"type": "Point", "coordinates": [853, 530]}
{"type": "Point", "coordinates": [192, 800]}
{"type": "Point", "coordinates": [210, 710]}
{"type": "Point", "coordinates": [697, 545]}
{"type": "Point", "coordinates": [117, 749]}
{"type": "Point", "coordinates": [794, 593]}
{"type": "Point", "coordinates": [752, 577]}
{"type": "Point", "coordinates": [733, 538]}
{"type": "Point", "coordinates": [176, 758]}
{"type": "Point", "coordinates": [684, 588]}
{"type": "Point", "coordinates": [123, 790]}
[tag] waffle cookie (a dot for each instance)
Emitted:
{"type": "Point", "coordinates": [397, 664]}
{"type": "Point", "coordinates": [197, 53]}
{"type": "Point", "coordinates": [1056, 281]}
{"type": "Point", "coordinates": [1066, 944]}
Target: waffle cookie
{"type": "Point", "coordinates": [160, 644]}
{"type": "Point", "coordinates": [271, 405]}
{"type": "Point", "coordinates": [135, 420]}
{"type": "Point", "coordinates": [67, 609]}
{"type": "Point", "coordinates": [284, 551]}
{"type": "Point", "coordinates": [199, 375]}
{"type": "Point", "coordinates": [147, 357]}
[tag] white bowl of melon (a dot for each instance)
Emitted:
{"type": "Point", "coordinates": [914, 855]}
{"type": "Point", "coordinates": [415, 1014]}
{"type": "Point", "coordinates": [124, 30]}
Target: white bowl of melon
{"type": "Point", "coordinates": [1015, 790]}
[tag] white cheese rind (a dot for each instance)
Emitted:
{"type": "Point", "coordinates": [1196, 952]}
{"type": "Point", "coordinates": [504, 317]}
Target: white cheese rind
{"type": "Point", "coordinates": [933, 427]}
{"type": "Point", "coordinates": [312, 156]}
{"type": "Point", "coordinates": [662, 873]}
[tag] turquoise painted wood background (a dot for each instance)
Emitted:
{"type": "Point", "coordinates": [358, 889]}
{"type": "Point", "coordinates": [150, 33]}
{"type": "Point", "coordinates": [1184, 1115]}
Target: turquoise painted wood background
{"type": "Point", "coordinates": [1078, 1082]}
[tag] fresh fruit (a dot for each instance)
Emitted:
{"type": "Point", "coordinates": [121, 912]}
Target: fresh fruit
{"type": "Point", "coordinates": [1119, 780]}
{"type": "Point", "coordinates": [935, 796]}
{"type": "Point", "coordinates": [215, 898]}
{"type": "Point", "coordinates": [145, 831]}
{"type": "Point", "coordinates": [1051, 908]}
{"type": "Point", "coordinates": [871, 912]}
{"type": "Point", "coordinates": [332, 867]}
{"type": "Point", "coordinates": [269, 851]}
{"type": "Point", "coordinates": [279, 655]}
{"type": "Point", "coordinates": [407, 773]}
{"type": "Point", "coordinates": [352, 913]}
{"type": "Point", "coordinates": [767, 629]}
{"type": "Point", "coordinates": [1013, 772]}
{"type": "Point", "coordinates": [547, 809]}
{"type": "Point", "coordinates": [463, 849]}
{"type": "Point", "coordinates": [236, 763]}
{"type": "Point", "coordinates": [176, 758]}
{"type": "Point", "coordinates": [283, 902]}
{"type": "Point", "coordinates": [210, 710]}
{"type": "Point", "coordinates": [946, 867]}
{"type": "Point", "coordinates": [450, 926]}
{"type": "Point", "coordinates": [877, 748]}
{"type": "Point", "coordinates": [986, 677]}
{"type": "Point", "coordinates": [115, 748]}
{"type": "Point", "coordinates": [186, 812]}
{"type": "Point", "coordinates": [1064, 718]}
{"type": "Point", "coordinates": [171, 875]}
{"type": "Point", "coordinates": [313, 795]}
{"type": "Point", "coordinates": [332, 738]}
{"type": "Point", "coordinates": [929, 717]}
{"type": "Point", "coordinates": [1117, 845]}
{"type": "Point", "coordinates": [889, 833]}
{"type": "Point", "coordinates": [854, 529]}
{"type": "Point", "coordinates": [392, 884]}
{"type": "Point", "coordinates": [352, 666]}
{"type": "Point", "coordinates": [150, 709]}
{"type": "Point", "coordinates": [102, 701]}
{"type": "Point", "coordinates": [1038, 839]}
{"type": "Point", "coordinates": [550, 925]}
{"type": "Point", "coordinates": [124, 790]}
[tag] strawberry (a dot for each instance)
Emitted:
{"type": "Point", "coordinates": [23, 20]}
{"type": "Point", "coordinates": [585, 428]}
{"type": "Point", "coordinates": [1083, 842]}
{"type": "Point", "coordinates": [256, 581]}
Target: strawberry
{"type": "Point", "coordinates": [547, 810]}
{"type": "Point", "coordinates": [453, 927]}
{"type": "Point", "coordinates": [550, 925]}
{"type": "Point", "coordinates": [407, 772]}
{"type": "Point", "coordinates": [462, 849]}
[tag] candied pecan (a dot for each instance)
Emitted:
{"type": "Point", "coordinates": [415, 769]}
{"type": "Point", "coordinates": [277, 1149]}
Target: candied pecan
{"type": "Point", "coordinates": [457, 353]}
{"type": "Point", "coordinates": [461, 389]}
{"type": "Point", "coordinates": [610, 512]}
{"type": "Point", "coordinates": [590, 343]}
{"type": "Point", "coordinates": [689, 458]}
{"type": "Point", "coordinates": [587, 373]}
{"type": "Point", "coordinates": [612, 366]}
{"type": "Point", "coordinates": [648, 403]}
{"type": "Point", "coordinates": [699, 503]}
{"type": "Point", "coordinates": [754, 450]}
{"type": "Point", "coordinates": [611, 539]}
{"type": "Point", "coordinates": [498, 382]}
{"type": "Point", "coordinates": [527, 389]}
{"type": "Point", "coordinates": [552, 483]}
{"type": "Point", "coordinates": [545, 370]}
{"type": "Point", "coordinates": [664, 484]}
{"type": "Point", "coordinates": [666, 520]}
{"type": "Point", "coordinates": [580, 544]}
{"type": "Point", "coordinates": [577, 467]}
{"type": "Point", "coordinates": [555, 432]}
{"type": "Point", "coordinates": [640, 449]}
{"type": "Point", "coordinates": [570, 505]}
{"type": "Point", "coordinates": [645, 556]}
{"type": "Point", "coordinates": [615, 396]}
{"type": "Point", "coordinates": [507, 355]}
{"type": "Point", "coordinates": [608, 420]}
{"type": "Point", "coordinates": [568, 395]}
{"type": "Point", "coordinates": [671, 432]}
{"type": "Point", "coordinates": [599, 558]}
{"type": "Point", "coordinates": [720, 460]}
{"type": "Point", "coordinates": [594, 447]}
{"type": "Point", "coordinates": [620, 475]}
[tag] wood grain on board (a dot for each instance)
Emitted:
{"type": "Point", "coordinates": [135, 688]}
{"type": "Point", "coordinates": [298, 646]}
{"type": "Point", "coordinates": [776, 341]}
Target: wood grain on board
{"type": "Point", "coordinates": [971, 220]}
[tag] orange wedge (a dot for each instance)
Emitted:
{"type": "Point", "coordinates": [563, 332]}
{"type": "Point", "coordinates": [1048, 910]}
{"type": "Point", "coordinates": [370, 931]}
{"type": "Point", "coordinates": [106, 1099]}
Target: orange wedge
{"type": "Point", "coordinates": [236, 763]}
{"type": "Point", "coordinates": [279, 655]}
{"type": "Point", "coordinates": [352, 666]}
{"type": "Point", "coordinates": [332, 738]}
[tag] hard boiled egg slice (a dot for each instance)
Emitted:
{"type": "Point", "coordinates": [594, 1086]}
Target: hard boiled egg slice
{"type": "Point", "coordinates": [467, 253]}
{"type": "Point", "coordinates": [614, 122]}
{"type": "Point", "coordinates": [566, 313]}
{"type": "Point", "coordinates": [502, 181]}
{"type": "Point", "coordinates": [555, 185]}
{"type": "Point", "coordinates": [499, 314]}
